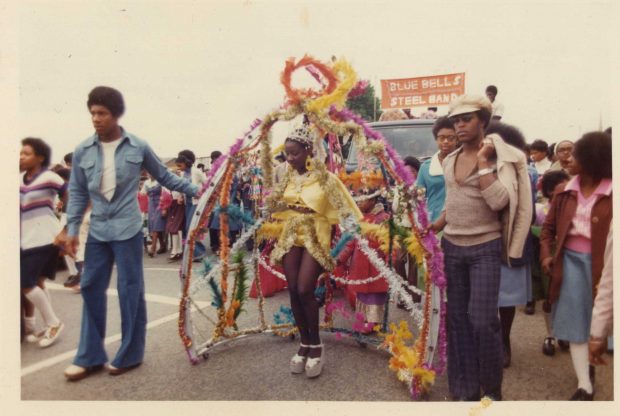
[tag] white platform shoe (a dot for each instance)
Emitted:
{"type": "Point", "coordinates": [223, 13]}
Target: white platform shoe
{"type": "Point", "coordinates": [314, 366]}
{"type": "Point", "coordinates": [298, 362]}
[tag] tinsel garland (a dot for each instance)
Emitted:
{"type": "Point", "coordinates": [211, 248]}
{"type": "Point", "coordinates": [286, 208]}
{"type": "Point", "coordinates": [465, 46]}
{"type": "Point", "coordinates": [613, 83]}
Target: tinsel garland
{"type": "Point", "coordinates": [214, 271]}
{"type": "Point", "coordinates": [429, 241]}
{"type": "Point", "coordinates": [381, 234]}
{"type": "Point", "coordinates": [235, 213]}
{"type": "Point", "coordinates": [185, 274]}
{"type": "Point", "coordinates": [359, 89]}
{"type": "Point", "coordinates": [341, 244]}
{"type": "Point", "coordinates": [303, 224]}
{"type": "Point", "coordinates": [295, 95]}
{"type": "Point", "coordinates": [240, 293]}
{"type": "Point", "coordinates": [403, 171]}
{"type": "Point", "coordinates": [270, 231]}
{"type": "Point", "coordinates": [284, 316]}
{"type": "Point", "coordinates": [234, 149]}
{"type": "Point", "coordinates": [338, 96]}
{"type": "Point", "coordinates": [406, 361]}
{"type": "Point", "coordinates": [395, 281]}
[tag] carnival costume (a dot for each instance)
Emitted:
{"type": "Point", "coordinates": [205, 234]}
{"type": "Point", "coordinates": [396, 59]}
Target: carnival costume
{"type": "Point", "coordinates": [312, 230]}
{"type": "Point", "coordinates": [302, 210]}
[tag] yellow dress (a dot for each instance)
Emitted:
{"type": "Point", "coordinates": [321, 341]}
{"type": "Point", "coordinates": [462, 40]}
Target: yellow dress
{"type": "Point", "coordinates": [311, 230]}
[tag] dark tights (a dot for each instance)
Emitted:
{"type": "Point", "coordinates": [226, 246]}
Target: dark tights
{"type": "Point", "coordinates": [506, 316]}
{"type": "Point", "coordinates": [302, 271]}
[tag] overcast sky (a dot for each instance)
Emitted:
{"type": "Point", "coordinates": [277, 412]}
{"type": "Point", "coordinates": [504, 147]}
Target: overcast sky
{"type": "Point", "coordinates": [195, 74]}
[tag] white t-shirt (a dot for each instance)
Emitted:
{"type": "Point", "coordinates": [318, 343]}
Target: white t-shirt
{"type": "Point", "coordinates": [108, 175]}
{"type": "Point", "coordinates": [498, 108]}
{"type": "Point", "coordinates": [542, 166]}
{"type": "Point", "coordinates": [39, 224]}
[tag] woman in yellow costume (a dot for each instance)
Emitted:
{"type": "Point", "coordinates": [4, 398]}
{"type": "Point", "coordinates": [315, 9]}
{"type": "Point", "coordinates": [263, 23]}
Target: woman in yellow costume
{"type": "Point", "coordinates": [306, 204]}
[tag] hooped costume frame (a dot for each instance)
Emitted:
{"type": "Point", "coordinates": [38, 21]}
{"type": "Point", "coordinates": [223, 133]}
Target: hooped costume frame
{"type": "Point", "coordinates": [415, 361]}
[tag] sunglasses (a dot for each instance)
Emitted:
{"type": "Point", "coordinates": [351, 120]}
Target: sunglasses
{"type": "Point", "coordinates": [462, 117]}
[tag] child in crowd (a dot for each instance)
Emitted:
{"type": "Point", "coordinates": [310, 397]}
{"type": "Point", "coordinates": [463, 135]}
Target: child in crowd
{"type": "Point", "coordinates": [553, 181]}
{"type": "Point", "coordinates": [577, 226]}
{"type": "Point", "coordinates": [39, 238]}
{"type": "Point", "coordinates": [370, 297]}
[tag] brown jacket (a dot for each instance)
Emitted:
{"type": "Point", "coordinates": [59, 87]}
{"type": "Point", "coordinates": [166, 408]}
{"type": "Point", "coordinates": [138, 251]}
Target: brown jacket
{"type": "Point", "coordinates": [555, 231]}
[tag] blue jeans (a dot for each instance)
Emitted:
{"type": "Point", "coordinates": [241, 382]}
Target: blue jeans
{"type": "Point", "coordinates": [99, 259]}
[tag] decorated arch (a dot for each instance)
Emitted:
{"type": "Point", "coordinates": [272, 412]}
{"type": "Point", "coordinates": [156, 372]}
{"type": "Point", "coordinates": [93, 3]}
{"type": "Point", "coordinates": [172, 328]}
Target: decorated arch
{"type": "Point", "coordinates": [228, 279]}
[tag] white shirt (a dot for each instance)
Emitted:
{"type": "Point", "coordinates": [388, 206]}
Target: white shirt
{"type": "Point", "coordinates": [498, 108]}
{"type": "Point", "coordinates": [108, 176]}
{"type": "Point", "coordinates": [542, 166]}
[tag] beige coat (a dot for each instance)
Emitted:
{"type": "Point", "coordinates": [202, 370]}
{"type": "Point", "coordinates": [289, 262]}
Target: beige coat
{"type": "Point", "coordinates": [603, 311]}
{"type": "Point", "coordinates": [517, 217]}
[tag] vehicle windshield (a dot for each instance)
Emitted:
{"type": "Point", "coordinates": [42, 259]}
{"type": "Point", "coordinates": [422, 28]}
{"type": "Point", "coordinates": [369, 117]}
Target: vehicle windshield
{"type": "Point", "coordinates": [415, 141]}
{"type": "Point", "coordinates": [408, 140]}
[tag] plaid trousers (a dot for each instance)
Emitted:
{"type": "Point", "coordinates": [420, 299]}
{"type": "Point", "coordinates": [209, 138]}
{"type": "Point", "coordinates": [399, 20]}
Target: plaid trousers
{"type": "Point", "coordinates": [475, 353]}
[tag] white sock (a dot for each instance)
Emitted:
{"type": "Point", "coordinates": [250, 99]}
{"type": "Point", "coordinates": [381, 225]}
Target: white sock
{"type": "Point", "coordinates": [176, 244]}
{"type": "Point", "coordinates": [47, 293]}
{"type": "Point", "coordinates": [579, 354]}
{"type": "Point", "coordinates": [71, 265]}
{"type": "Point", "coordinates": [30, 322]}
{"type": "Point", "coordinates": [40, 300]}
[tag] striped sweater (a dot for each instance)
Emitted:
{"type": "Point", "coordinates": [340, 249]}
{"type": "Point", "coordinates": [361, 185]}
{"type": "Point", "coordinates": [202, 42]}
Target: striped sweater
{"type": "Point", "coordinates": [39, 224]}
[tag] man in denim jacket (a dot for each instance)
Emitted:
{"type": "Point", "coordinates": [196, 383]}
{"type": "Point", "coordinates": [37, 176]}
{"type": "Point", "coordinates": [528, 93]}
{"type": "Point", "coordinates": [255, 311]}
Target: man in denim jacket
{"type": "Point", "coordinates": [106, 171]}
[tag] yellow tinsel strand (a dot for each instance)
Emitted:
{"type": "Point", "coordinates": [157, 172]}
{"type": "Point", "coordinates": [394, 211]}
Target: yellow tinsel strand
{"type": "Point", "coordinates": [339, 96]}
{"type": "Point", "coordinates": [269, 231]}
{"type": "Point", "coordinates": [381, 234]}
{"type": "Point", "coordinates": [415, 249]}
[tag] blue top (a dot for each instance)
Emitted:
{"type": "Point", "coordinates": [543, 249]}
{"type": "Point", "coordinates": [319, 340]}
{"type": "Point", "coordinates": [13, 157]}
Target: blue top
{"type": "Point", "coordinates": [120, 218]}
{"type": "Point", "coordinates": [435, 186]}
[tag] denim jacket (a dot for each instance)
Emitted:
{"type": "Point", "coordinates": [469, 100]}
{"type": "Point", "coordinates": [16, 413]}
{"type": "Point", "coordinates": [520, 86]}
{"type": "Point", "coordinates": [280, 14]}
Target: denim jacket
{"type": "Point", "coordinates": [120, 218]}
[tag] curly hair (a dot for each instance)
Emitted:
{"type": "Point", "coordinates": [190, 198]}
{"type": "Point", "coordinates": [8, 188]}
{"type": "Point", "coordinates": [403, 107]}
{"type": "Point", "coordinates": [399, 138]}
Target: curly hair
{"type": "Point", "coordinates": [593, 152]}
{"type": "Point", "coordinates": [550, 180]}
{"type": "Point", "coordinates": [109, 98]}
{"type": "Point", "coordinates": [485, 116]}
{"type": "Point", "coordinates": [40, 149]}
{"type": "Point", "coordinates": [442, 123]}
{"type": "Point", "coordinates": [540, 145]}
{"type": "Point", "coordinates": [413, 162]}
{"type": "Point", "coordinates": [509, 133]}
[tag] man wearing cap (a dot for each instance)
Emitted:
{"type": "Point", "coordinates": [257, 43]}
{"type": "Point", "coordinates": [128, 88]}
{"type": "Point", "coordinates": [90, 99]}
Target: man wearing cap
{"type": "Point", "coordinates": [475, 238]}
{"type": "Point", "coordinates": [105, 173]}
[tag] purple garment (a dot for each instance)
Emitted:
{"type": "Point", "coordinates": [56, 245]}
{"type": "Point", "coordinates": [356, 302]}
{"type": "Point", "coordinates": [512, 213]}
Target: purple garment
{"type": "Point", "coordinates": [376, 298]}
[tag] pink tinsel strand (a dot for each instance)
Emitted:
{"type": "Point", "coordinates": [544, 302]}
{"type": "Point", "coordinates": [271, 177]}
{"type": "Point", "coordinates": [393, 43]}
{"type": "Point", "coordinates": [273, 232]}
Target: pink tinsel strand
{"type": "Point", "coordinates": [234, 149]}
{"type": "Point", "coordinates": [403, 171]}
{"type": "Point", "coordinates": [315, 74]}
{"type": "Point", "coordinates": [359, 89]}
{"type": "Point", "coordinates": [440, 367]}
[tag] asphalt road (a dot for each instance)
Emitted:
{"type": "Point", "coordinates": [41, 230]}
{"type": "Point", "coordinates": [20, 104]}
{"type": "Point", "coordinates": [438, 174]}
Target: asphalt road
{"type": "Point", "coordinates": [256, 367]}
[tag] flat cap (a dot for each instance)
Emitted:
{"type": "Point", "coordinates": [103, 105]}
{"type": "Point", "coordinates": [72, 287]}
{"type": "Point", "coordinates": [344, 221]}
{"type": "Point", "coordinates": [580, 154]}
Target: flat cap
{"type": "Point", "coordinates": [468, 104]}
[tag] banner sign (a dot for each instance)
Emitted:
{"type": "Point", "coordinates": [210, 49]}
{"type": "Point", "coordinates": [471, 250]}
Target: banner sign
{"type": "Point", "coordinates": [421, 92]}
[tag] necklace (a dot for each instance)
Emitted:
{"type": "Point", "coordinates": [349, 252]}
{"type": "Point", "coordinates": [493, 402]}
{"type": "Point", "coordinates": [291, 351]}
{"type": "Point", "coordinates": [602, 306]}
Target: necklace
{"type": "Point", "coordinates": [299, 179]}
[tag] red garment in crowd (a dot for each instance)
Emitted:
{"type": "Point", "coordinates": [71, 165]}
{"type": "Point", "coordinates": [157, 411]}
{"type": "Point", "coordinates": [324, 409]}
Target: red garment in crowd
{"type": "Point", "coordinates": [355, 265]}
{"type": "Point", "coordinates": [143, 203]}
{"type": "Point", "coordinates": [269, 282]}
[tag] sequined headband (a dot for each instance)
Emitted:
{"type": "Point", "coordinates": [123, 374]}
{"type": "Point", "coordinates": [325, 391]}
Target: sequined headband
{"type": "Point", "coordinates": [303, 135]}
